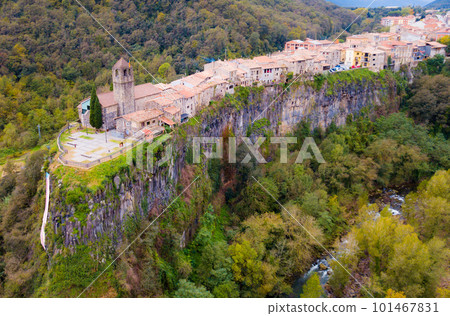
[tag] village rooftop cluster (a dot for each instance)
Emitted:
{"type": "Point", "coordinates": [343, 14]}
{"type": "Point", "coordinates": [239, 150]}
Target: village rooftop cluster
{"type": "Point", "coordinates": [147, 109]}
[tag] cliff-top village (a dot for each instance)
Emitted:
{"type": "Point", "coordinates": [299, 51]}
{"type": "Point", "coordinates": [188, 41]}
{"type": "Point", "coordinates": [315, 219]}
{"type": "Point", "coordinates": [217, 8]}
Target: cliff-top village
{"type": "Point", "coordinates": [148, 108]}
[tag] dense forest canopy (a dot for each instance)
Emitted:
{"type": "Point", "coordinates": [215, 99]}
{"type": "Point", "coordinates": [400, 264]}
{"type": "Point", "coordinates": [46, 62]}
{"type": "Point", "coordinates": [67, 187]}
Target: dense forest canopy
{"type": "Point", "coordinates": [55, 33]}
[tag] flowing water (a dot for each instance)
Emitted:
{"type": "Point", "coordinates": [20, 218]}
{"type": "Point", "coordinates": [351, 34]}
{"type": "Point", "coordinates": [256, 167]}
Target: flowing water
{"type": "Point", "coordinates": [323, 269]}
{"type": "Point", "coordinates": [322, 265]}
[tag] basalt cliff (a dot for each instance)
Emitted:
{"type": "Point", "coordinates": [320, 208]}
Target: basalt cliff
{"type": "Point", "coordinates": [102, 215]}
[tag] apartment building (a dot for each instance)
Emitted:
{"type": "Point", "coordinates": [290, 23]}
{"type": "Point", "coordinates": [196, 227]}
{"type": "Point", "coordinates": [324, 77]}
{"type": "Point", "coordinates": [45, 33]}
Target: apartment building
{"type": "Point", "coordinates": [398, 20]}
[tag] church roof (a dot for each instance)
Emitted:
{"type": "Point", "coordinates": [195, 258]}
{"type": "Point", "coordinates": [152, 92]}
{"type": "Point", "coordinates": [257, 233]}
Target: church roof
{"type": "Point", "coordinates": [143, 90]}
{"type": "Point", "coordinates": [107, 99]}
{"type": "Point", "coordinates": [121, 64]}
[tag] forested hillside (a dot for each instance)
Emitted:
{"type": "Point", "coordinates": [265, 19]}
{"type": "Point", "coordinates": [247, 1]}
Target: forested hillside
{"type": "Point", "coordinates": [52, 51]}
{"type": "Point", "coordinates": [438, 4]}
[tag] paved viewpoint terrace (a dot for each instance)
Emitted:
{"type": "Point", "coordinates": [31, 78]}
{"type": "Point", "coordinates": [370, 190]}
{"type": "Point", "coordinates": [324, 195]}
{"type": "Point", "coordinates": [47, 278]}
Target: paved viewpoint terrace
{"type": "Point", "coordinates": [87, 147]}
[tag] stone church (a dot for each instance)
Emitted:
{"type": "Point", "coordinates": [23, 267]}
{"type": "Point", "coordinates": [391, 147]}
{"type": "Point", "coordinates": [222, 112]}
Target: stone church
{"type": "Point", "coordinates": [129, 108]}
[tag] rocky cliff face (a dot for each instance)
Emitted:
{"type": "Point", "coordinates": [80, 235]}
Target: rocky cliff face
{"type": "Point", "coordinates": [133, 194]}
{"type": "Point", "coordinates": [300, 103]}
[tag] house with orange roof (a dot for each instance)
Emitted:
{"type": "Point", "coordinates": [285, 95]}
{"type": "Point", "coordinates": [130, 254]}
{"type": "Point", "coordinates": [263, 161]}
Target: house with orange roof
{"type": "Point", "coordinates": [173, 113]}
{"type": "Point", "coordinates": [252, 69]}
{"type": "Point", "coordinates": [136, 121]}
{"type": "Point", "coordinates": [188, 100]}
{"type": "Point", "coordinates": [311, 44]}
{"type": "Point", "coordinates": [293, 45]}
{"type": "Point", "coordinates": [401, 53]}
{"type": "Point", "coordinates": [435, 48]}
{"type": "Point", "coordinates": [398, 20]}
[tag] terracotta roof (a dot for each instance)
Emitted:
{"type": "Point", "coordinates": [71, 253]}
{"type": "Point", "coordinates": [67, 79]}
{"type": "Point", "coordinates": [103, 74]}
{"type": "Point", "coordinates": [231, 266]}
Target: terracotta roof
{"type": "Point", "coordinates": [163, 101]}
{"type": "Point", "coordinates": [388, 34]}
{"type": "Point", "coordinates": [147, 132]}
{"type": "Point", "coordinates": [179, 87]}
{"type": "Point", "coordinates": [393, 43]}
{"type": "Point", "coordinates": [107, 99]}
{"type": "Point", "coordinates": [186, 93]}
{"type": "Point", "coordinates": [171, 110]}
{"type": "Point", "coordinates": [194, 79]}
{"type": "Point", "coordinates": [250, 64]}
{"type": "Point", "coordinates": [263, 59]}
{"type": "Point", "coordinates": [205, 74]}
{"type": "Point", "coordinates": [213, 82]}
{"type": "Point", "coordinates": [436, 44]}
{"type": "Point", "coordinates": [142, 116]}
{"type": "Point", "coordinates": [163, 86]}
{"type": "Point", "coordinates": [167, 121]}
{"type": "Point", "coordinates": [174, 96]}
{"type": "Point", "coordinates": [295, 42]}
{"type": "Point", "coordinates": [145, 90]}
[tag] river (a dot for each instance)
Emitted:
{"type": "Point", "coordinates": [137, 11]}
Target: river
{"type": "Point", "coordinates": [322, 265]}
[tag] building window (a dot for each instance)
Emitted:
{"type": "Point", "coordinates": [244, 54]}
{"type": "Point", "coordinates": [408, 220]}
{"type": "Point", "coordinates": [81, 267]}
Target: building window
{"type": "Point", "coordinates": [117, 72]}
{"type": "Point", "coordinates": [153, 121]}
{"type": "Point", "coordinates": [125, 72]}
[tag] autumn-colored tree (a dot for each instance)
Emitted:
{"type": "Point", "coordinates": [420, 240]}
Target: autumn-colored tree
{"type": "Point", "coordinates": [427, 209]}
{"type": "Point", "coordinates": [394, 294]}
{"type": "Point", "coordinates": [313, 288]}
{"type": "Point", "coordinates": [446, 41]}
{"type": "Point", "coordinates": [246, 266]}
{"type": "Point", "coordinates": [400, 260]}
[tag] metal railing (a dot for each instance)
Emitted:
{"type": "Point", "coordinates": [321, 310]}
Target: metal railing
{"type": "Point", "coordinates": [93, 163]}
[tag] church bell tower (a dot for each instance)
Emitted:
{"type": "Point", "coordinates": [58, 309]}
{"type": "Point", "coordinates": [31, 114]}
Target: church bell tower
{"type": "Point", "coordinates": [123, 87]}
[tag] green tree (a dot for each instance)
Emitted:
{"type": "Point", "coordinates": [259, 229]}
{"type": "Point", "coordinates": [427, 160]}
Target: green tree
{"type": "Point", "coordinates": [399, 260]}
{"type": "Point", "coordinates": [188, 289]}
{"type": "Point", "coordinates": [246, 265]}
{"type": "Point", "coordinates": [435, 64]}
{"type": "Point", "coordinates": [95, 116]}
{"type": "Point", "coordinates": [312, 288]}
{"type": "Point", "coordinates": [446, 41]}
{"type": "Point", "coordinates": [164, 70]}
{"type": "Point", "coordinates": [255, 199]}
{"type": "Point", "coordinates": [226, 290]}
{"type": "Point", "coordinates": [430, 102]}
{"type": "Point", "coordinates": [10, 135]}
{"type": "Point", "coordinates": [427, 209]}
